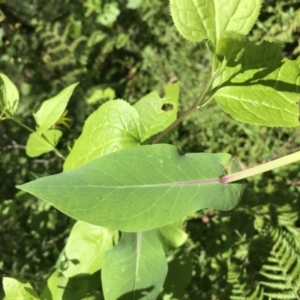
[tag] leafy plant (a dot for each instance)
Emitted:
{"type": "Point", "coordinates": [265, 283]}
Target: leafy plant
{"type": "Point", "coordinates": [113, 182]}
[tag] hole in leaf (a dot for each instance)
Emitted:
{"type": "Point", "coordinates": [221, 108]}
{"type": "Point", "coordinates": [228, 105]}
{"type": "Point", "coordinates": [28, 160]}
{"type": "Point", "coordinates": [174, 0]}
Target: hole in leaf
{"type": "Point", "coordinates": [167, 107]}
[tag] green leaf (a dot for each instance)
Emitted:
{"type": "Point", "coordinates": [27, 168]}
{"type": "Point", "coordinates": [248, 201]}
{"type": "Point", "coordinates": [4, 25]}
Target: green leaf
{"type": "Point", "coordinates": [140, 188]}
{"type": "Point", "coordinates": [17, 290]}
{"type": "Point", "coordinates": [100, 95]}
{"type": "Point", "coordinates": [261, 88]}
{"type": "Point", "coordinates": [179, 275]}
{"type": "Point", "coordinates": [59, 287]}
{"type": "Point", "coordinates": [51, 109]}
{"type": "Point", "coordinates": [231, 45]}
{"type": "Point", "coordinates": [173, 234]}
{"type": "Point", "coordinates": [85, 248]}
{"type": "Point", "coordinates": [197, 20]}
{"type": "Point", "coordinates": [9, 95]}
{"type": "Point", "coordinates": [38, 145]}
{"type": "Point", "coordinates": [51, 290]}
{"type": "Point", "coordinates": [135, 269]}
{"type": "Point", "coordinates": [114, 126]}
{"type": "Point", "coordinates": [157, 113]}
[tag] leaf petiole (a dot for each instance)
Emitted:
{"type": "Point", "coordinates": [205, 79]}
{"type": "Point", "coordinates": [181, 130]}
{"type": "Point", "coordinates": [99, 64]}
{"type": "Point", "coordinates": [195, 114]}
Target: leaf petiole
{"type": "Point", "coordinates": [280, 162]}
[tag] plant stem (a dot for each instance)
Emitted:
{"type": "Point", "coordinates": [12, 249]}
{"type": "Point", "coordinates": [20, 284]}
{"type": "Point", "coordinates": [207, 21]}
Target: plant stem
{"type": "Point", "coordinates": [197, 104]}
{"type": "Point", "coordinates": [280, 162]}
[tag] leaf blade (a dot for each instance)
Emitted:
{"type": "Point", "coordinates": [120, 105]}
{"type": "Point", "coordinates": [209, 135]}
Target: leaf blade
{"type": "Point", "coordinates": [152, 116]}
{"type": "Point", "coordinates": [140, 188]}
{"type": "Point", "coordinates": [128, 269]}
{"type": "Point", "coordinates": [261, 89]}
{"type": "Point", "coordinates": [9, 95]}
{"type": "Point", "coordinates": [197, 20]}
{"type": "Point", "coordinates": [51, 109]}
{"type": "Point", "coordinates": [114, 126]}
{"type": "Point", "coordinates": [85, 249]}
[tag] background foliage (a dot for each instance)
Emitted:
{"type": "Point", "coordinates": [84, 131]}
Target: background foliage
{"type": "Point", "coordinates": [126, 49]}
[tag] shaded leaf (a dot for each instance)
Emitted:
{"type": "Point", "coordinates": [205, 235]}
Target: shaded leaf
{"type": "Point", "coordinates": [135, 269]}
{"type": "Point", "coordinates": [140, 188]}
{"type": "Point", "coordinates": [231, 45]}
{"type": "Point", "coordinates": [179, 275]}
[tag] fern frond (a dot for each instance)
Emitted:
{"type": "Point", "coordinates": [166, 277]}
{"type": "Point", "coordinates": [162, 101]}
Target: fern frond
{"type": "Point", "coordinates": [240, 289]}
{"type": "Point", "coordinates": [281, 271]}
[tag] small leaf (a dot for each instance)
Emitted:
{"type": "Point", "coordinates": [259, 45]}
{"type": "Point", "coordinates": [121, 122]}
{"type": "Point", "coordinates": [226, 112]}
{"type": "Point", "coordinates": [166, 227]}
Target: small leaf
{"type": "Point", "coordinates": [9, 95]}
{"type": "Point", "coordinates": [15, 290]}
{"type": "Point", "coordinates": [52, 109]}
{"type": "Point", "coordinates": [231, 45]}
{"type": "Point", "coordinates": [135, 269]}
{"type": "Point", "coordinates": [38, 145]}
{"type": "Point", "coordinates": [85, 248]}
{"type": "Point", "coordinates": [114, 126]}
{"type": "Point", "coordinates": [198, 20]}
{"type": "Point", "coordinates": [261, 88]}
{"type": "Point", "coordinates": [140, 188]}
{"type": "Point", "coordinates": [173, 234]}
{"type": "Point", "coordinates": [150, 108]}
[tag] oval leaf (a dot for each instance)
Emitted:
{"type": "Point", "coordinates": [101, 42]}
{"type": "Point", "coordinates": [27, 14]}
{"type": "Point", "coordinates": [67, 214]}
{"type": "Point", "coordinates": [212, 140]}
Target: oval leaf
{"type": "Point", "coordinates": [260, 89]}
{"type": "Point", "coordinates": [85, 248]}
{"type": "Point", "coordinates": [52, 109]}
{"type": "Point", "coordinates": [114, 126]}
{"type": "Point", "coordinates": [9, 95]}
{"type": "Point", "coordinates": [15, 289]}
{"type": "Point", "coordinates": [38, 144]}
{"type": "Point", "coordinates": [140, 188]}
{"type": "Point", "coordinates": [157, 113]}
{"type": "Point", "coordinates": [197, 20]}
{"type": "Point", "coordinates": [136, 268]}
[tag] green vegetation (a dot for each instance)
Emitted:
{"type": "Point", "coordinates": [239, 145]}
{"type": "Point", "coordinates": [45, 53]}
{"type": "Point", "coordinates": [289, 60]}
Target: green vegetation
{"type": "Point", "coordinates": [126, 50]}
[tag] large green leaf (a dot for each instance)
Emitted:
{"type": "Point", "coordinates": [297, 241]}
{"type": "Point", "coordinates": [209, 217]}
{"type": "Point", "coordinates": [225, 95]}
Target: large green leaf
{"type": "Point", "coordinates": [157, 113]}
{"type": "Point", "coordinates": [85, 248]}
{"type": "Point", "coordinates": [197, 20]}
{"type": "Point", "coordinates": [114, 126]}
{"type": "Point", "coordinates": [9, 95]}
{"type": "Point", "coordinates": [140, 188]}
{"type": "Point", "coordinates": [261, 88]}
{"type": "Point", "coordinates": [52, 109]}
{"type": "Point", "coordinates": [38, 144]}
{"type": "Point", "coordinates": [135, 269]}
{"type": "Point", "coordinates": [17, 290]}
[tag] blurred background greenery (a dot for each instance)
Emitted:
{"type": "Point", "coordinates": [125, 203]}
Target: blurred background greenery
{"type": "Point", "coordinates": [125, 49]}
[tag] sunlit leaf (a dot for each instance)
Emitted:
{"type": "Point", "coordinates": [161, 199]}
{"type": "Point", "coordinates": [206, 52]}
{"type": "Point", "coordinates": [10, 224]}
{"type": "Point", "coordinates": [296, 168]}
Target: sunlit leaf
{"type": "Point", "coordinates": [52, 109]}
{"type": "Point", "coordinates": [38, 143]}
{"type": "Point", "coordinates": [9, 95]}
